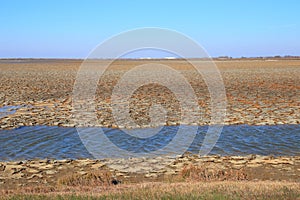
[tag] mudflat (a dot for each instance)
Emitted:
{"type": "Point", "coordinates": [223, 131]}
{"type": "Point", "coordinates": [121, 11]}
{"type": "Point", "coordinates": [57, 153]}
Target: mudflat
{"type": "Point", "coordinates": [187, 167]}
{"type": "Point", "coordinates": [258, 91]}
{"type": "Point", "coordinates": [209, 177]}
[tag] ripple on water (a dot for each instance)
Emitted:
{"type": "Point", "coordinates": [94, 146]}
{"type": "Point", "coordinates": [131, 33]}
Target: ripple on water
{"type": "Point", "coordinates": [60, 142]}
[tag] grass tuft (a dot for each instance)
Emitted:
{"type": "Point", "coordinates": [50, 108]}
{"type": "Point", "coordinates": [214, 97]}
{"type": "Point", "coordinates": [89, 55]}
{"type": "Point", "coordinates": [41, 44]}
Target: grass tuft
{"type": "Point", "coordinates": [94, 178]}
{"type": "Point", "coordinates": [203, 173]}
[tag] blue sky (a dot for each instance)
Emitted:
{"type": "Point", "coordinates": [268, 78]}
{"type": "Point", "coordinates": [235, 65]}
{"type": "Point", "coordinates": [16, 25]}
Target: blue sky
{"type": "Point", "coordinates": [71, 29]}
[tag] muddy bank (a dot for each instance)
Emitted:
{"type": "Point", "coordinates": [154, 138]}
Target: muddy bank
{"type": "Point", "coordinates": [103, 172]}
{"type": "Point", "coordinates": [258, 93]}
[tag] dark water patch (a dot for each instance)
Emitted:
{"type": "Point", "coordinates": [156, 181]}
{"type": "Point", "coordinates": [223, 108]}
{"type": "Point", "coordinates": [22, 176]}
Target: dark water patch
{"type": "Point", "coordinates": [60, 142]}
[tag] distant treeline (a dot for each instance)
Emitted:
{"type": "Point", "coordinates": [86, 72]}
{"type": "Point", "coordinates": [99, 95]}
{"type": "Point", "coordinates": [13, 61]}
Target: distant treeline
{"type": "Point", "coordinates": [259, 57]}
{"type": "Point", "coordinates": [287, 57]}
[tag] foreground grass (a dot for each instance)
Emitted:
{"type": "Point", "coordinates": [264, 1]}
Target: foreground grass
{"type": "Point", "coordinates": [185, 190]}
{"type": "Point", "coordinates": [164, 196]}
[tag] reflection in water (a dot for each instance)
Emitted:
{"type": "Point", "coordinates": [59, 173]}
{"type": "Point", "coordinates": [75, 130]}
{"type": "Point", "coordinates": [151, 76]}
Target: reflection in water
{"type": "Point", "coordinates": [59, 142]}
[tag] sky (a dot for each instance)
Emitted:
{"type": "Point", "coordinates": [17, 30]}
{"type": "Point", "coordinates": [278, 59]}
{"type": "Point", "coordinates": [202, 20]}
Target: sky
{"type": "Point", "coordinates": [72, 29]}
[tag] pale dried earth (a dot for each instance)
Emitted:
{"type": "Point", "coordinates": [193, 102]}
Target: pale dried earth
{"type": "Point", "coordinates": [205, 168]}
{"type": "Point", "coordinates": [259, 92]}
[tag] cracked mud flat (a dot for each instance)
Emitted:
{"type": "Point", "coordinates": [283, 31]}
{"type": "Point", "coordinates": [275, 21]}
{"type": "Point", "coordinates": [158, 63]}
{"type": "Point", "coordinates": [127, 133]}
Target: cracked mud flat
{"type": "Point", "coordinates": [258, 93]}
{"type": "Point", "coordinates": [207, 168]}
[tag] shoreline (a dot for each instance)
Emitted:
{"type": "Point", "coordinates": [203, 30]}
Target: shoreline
{"type": "Point", "coordinates": [57, 124]}
{"type": "Point", "coordinates": [51, 113]}
{"type": "Point", "coordinates": [206, 168]}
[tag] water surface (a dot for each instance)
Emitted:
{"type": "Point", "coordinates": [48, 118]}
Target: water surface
{"type": "Point", "coordinates": [60, 142]}
{"type": "Point", "coordinates": [8, 110]}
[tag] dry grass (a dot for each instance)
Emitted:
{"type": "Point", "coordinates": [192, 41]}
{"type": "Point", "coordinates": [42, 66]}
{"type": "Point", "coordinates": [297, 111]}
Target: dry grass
{"type": "Point", "coordinates": [185, 190]}
{"type": "Point", "coordinates": [193, 182]}
{"type": "Point", "coordinates": [93, 178]}
{"type": "Point", "coordinates": [203, 173]}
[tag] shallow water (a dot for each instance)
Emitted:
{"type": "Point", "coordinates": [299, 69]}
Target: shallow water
{"type": "Point", "coordinates": [60, 142]}
{"type": "Point", "coordinates": [8, 110]}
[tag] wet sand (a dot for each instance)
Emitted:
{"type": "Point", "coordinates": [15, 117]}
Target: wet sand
{"type": "Point", "coordinates": [259, 92]}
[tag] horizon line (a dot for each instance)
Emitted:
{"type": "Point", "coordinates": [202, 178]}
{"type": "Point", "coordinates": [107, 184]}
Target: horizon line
{"type": "Point", "coordinates": [148, 58]}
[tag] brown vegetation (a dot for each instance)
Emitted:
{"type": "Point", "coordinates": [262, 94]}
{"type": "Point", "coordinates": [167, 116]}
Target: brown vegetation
{"type": "Point", "coordinates": [204, 173]}
{"type": "Point", "coordinates": [183, 190]}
